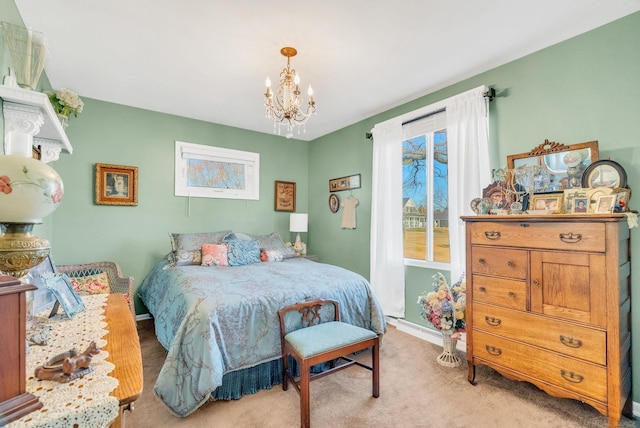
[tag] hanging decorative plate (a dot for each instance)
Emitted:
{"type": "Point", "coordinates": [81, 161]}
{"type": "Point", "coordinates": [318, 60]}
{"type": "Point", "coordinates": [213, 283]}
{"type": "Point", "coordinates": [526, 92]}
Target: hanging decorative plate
{"type": "Point", "coordinates": [604, 173]}
{"type": "Point", "coordinates": [334, 203]}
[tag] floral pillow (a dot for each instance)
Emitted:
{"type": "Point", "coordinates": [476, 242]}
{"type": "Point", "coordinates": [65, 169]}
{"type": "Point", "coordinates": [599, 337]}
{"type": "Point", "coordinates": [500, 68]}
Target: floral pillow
{"type": "Point", "coordinates": [270, 255]}
{"type": "Point", "coordinates": [187, 247]}
{"type": "Point", "coordinates": [91, 284]}
{"type": "Point", "coordinates": [214, 255]}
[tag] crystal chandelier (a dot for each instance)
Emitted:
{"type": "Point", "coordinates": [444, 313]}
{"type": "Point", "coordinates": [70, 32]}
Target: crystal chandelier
{"type": "Point", "coordinates": [285, 108]}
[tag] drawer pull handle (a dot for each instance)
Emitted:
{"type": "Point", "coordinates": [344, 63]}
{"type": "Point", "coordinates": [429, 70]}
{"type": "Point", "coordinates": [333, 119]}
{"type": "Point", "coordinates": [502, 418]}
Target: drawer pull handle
{"type": "Point", "coordinates": [482, 261]}
{"type": "Point", "coordinates": [493, 350]}
{"type": "Point", "coordinates": [482, 289]}
{"type": "Point", "coordinates": [511, 263]}
{"type": "Point", "coordinates": [512, 294]}
{"type": "Point", "coordinates": [492, 235]}
{"type": "Point", "coordinates": [571, 238]}
{"type": "Point", "coordinates": [524, 225]}
{"type": "Point", "coordinates": [535, 282]}
{"type": "Point", "coordinates": [570, 342]}
{"type": "Point", "coordinates": [492, 320]}
{"type": "Point", "coordinates": [571, 376]}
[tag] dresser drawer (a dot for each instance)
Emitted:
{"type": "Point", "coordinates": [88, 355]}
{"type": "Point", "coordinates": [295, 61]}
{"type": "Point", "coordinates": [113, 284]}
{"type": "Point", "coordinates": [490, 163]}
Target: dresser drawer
{"type": "Point", "coordinates": [503, 262]}
{"type": "Point", "coordinates": [568, 373]}
{"type": "Point", "coordinates": [499, 291]}
{"type": "Point", "coordinates": [568, 339]}
{"type": "Point", "coordinates": [576, 236]}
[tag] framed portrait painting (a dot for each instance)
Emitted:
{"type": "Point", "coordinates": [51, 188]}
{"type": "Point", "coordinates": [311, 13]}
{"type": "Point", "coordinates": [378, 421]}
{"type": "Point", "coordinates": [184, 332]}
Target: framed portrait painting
{"type": "Point", "coordinates": [116, 184]}
{"type": "Point", "coordinates": [285, 196]}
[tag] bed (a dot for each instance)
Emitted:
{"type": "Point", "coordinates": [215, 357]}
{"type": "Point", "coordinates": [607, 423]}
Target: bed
{"type": "Point", "coordinates": [220, 327]}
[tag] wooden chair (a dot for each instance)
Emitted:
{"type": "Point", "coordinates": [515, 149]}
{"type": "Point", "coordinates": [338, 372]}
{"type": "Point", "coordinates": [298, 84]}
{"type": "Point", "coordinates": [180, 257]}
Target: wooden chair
{"type": "Point", "coordinates": [314, 336]}
{"type": "Point", "coordinates": [117, 282]}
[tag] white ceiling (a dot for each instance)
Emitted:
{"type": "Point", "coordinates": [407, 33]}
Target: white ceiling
{"type": "Point", "coordinates": [208, 60]}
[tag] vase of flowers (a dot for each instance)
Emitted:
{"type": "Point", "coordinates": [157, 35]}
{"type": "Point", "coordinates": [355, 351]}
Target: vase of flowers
{"type": "Point", "coordinates": [65, 103]}
{"type": "Point", "coordinates": [444, 308]}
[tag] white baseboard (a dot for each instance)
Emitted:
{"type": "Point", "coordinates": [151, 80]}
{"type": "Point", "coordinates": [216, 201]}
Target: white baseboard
{"type": "Point", "coordinates": [425, 333]}
{"type": "Point", "coordinates": [143, 317]}
{"type": "Point", "coordinates": [435, 337]}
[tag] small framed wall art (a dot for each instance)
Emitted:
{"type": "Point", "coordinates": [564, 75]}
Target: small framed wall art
{"type": "Point", "coordinates": [116, 184]}
{"type": "Point", "coordinates": [285, 196]}
{"type": "Point", "coordinates": [334, 203]}
{"type": "Point", "coordinates": [344, 183]}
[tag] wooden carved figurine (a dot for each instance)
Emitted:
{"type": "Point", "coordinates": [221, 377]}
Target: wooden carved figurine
{"type": "Point", "coordinates": [68, 365]}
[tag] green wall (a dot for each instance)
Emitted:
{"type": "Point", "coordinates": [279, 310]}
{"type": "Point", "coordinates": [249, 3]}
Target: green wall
{"type": "Point", "coordinates": [584, 89]}
{"type": "Point", "coordinates": [580, 90]}
{"type": "Point", "coordinates": [136, 237]}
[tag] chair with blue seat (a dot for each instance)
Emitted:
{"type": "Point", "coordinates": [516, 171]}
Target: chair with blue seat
{"type": "Point", "coordinates": [315, 336]}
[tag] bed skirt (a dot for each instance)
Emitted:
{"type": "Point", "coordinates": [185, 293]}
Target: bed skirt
{"type": "Point", "coordinates": [249, 381]}
{"type": "Point", "coordinates": [263, 376]}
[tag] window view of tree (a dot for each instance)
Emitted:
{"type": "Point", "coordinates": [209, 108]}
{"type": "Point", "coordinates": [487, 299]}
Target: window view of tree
{"type": "Point", "coordinates": [425, 217]}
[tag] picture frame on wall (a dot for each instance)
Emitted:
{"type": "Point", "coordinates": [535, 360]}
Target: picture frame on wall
{"type": "Point", "coordinates": [116, 184]}
{"type": "Point", "coordinates": [344, 183]}
{"type": "Point", "coordinates": [285, 196]}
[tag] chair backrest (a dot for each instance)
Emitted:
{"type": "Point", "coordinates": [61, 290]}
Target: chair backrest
{"type": "Point", "coordinates": [311, 312]}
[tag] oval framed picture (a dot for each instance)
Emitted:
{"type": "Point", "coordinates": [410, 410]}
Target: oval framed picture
{"type": "Point", "coordinates": [334, 203]}
{"type": "Point", "coordinates": [604, 173]}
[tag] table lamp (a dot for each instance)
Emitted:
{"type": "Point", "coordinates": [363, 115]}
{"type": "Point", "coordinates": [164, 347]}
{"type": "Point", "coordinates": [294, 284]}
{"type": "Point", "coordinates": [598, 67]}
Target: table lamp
{"type": "Point", "coordinates": [298, 223]}
{"type": "Point", "coordinates": [29, 191]}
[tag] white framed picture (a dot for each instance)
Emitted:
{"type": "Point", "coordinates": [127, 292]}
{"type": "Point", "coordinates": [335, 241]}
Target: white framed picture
{"type": "Point", "coordinates": [214, 172]}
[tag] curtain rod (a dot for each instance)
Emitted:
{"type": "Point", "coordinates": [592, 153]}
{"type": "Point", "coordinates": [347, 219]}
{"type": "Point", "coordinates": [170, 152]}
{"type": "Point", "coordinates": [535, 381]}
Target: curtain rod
{"type": "Point", "coordinates": [491, 94]}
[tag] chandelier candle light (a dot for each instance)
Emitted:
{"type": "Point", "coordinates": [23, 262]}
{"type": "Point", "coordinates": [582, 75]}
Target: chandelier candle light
{"type": "Point", "coordinates": [285, 107]}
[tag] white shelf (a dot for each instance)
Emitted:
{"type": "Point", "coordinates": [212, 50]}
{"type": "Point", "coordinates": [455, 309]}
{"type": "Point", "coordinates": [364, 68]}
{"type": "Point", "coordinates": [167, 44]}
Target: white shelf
{"type": "Point", "coordinates": [31, 112]}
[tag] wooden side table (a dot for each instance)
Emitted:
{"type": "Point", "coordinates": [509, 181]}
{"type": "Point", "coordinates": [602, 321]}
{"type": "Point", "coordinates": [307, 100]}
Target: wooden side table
{"type": "Point", "coordinates": [123, 346]}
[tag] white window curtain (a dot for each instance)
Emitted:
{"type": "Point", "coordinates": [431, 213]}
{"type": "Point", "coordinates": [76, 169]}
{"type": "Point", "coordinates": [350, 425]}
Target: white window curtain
{"type": "Point", "coordinates": [469, 167]}
{"type": "Point", "coordinates": [469, 173]}
{"type": "Point", "coordinates": [387, 258]}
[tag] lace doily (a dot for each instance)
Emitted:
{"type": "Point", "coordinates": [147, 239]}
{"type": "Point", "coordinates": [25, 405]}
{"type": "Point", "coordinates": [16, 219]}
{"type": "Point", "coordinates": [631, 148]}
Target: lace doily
{"type": "Point", "coordinates": [84, 402]}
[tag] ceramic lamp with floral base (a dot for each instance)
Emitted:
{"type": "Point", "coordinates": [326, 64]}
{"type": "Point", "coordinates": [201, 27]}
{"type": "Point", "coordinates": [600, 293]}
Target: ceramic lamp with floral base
{"type": "Point", "coordinates": [29, 191]}
{"type": "Point", "coordinates": [444, 308]}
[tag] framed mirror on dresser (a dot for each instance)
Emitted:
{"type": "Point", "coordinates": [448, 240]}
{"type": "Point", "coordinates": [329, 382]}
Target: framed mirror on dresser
{"type": "Point", "coordinates": [557, 166]}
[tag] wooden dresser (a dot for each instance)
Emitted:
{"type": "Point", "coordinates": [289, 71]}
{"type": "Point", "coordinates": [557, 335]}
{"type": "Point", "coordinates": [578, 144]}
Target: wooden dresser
{"type": "Point", "coordinates": [549, 302]}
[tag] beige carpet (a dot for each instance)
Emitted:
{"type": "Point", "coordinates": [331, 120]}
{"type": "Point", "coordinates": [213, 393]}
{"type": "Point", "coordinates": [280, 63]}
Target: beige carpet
{"type": "Point", "coordinates": [414, 392]}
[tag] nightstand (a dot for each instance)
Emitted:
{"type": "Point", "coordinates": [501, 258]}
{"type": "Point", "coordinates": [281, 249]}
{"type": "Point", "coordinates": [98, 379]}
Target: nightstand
{"type": "Point", "coordinates": [312, 257]}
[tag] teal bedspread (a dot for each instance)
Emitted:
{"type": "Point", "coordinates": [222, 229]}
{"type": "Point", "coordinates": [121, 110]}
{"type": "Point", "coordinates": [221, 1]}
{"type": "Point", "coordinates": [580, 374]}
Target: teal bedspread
{"type": "Point", "coordinates": [218, 320]}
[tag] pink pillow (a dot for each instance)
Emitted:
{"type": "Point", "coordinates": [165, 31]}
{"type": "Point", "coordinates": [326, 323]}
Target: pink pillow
{"type": "Point", "coordinates": [214, 254]}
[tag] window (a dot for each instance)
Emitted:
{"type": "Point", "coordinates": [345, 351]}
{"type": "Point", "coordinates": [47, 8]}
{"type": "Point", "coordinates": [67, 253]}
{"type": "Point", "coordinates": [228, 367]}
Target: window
{"type": "Point", "coordinates": [425, 191]}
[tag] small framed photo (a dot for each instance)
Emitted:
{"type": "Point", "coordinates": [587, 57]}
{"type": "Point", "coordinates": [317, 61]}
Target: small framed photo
{"type": "Point", "coordinates": [622, 199]}
{"type": "Point", "coordinates": [116, 184]}
{"type": "Point", "coordinates": [580, 206]}
{"type": "Point", "coordinates": [61, 287]}
{"type": "Point", "coordinates": [43, 298]}
{"type": "Point", "coordinates": [605, 204]}
{"type": "Point", "coordinates": [551, 202]}
{"type": "Point", "coordinates": [571, 195]}
{"type": "Point", "coordinates": [344, 183]}
{"type": "Point", "coordinates": [285, 196]}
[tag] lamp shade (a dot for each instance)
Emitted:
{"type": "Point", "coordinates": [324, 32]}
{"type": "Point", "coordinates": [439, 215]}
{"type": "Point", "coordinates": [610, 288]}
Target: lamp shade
{"type": "Point", "coordinates": [298, 222]}
{"type": "Point", "coordinates": [29, 189]}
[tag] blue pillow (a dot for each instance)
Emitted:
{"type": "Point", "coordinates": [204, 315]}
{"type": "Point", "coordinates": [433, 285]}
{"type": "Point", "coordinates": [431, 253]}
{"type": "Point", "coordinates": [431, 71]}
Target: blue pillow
{"type": "Point", "coordinates": [241, 252]}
